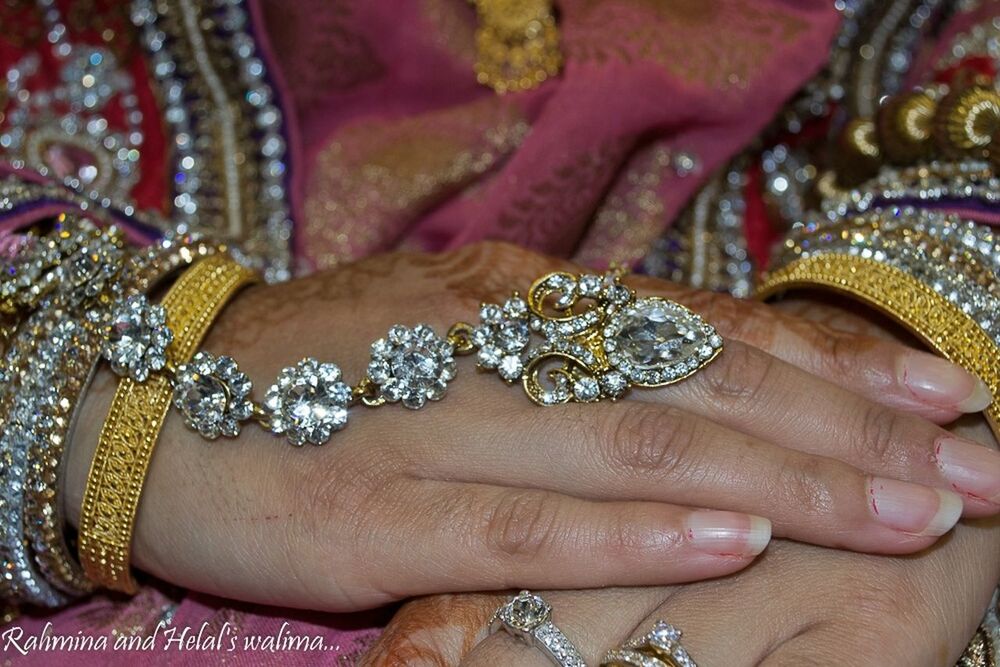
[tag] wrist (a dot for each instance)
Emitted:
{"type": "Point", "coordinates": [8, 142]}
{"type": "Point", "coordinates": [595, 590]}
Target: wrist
{"type": "Point", "coordinates": [83, 440]}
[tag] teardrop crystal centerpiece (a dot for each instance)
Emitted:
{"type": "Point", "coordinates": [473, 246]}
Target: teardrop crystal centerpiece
{"type": "Point", "coordinates": [655, 341]}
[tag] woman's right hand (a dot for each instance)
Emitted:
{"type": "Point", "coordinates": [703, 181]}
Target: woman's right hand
{"type": "Point", "coordinates": [811, 428]}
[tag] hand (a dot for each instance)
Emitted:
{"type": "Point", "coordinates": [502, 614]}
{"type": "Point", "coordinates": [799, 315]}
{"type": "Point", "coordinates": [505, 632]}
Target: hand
{"type": "Point", "coordinates": [486, 491]}
{"type": "Point", "coordinates": [797, 605]}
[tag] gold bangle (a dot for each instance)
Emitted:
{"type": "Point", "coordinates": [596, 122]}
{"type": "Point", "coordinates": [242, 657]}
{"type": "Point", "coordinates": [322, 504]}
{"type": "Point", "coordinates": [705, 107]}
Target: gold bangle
{"type": "Point", "coordinates": [129, 434]}
{"type": "Point", "coordinates": [928, 315]}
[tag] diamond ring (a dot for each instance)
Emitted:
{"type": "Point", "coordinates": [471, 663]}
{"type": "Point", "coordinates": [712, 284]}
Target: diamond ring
{"type": "Point", "coordinates": [528, 617]}
{"type": "Point", "coordinates": [660, 647]}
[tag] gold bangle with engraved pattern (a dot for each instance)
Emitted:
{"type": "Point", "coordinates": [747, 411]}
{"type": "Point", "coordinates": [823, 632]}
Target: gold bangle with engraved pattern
{"type": "Point", "coordinates": [928, 315]}
{"type": "Point", "coordinates": [129, 434]}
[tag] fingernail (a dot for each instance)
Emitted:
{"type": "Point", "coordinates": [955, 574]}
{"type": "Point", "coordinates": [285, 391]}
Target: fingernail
{"type": "Point", "coordinates": [912, 508]}
{"type": "Point", "coordinates": [939, 382]}
{"type": "Point", "coordinates": [728, 533]}
{"type": "Point", "coordinates": [973, 469]}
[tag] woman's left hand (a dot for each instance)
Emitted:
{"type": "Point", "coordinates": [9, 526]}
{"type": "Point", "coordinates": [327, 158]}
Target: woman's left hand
{"type": "Point", "coordinates": [798, 605]}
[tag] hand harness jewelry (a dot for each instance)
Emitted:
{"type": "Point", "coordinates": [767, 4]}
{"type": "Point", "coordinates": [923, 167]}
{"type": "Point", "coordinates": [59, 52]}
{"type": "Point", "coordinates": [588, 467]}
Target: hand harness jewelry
{"type": "Point", "coordinates": [579, 338]}
{"type": "Point", "coordinates": [575, 337]}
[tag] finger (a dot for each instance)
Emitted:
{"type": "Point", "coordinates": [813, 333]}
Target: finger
{"type": "Point", "coordinates": [884, 611]}
{"type": "Point", "coordinates": [635, 450]}
{"type": "Point", "coordinates": [729, 622]}
{"type": "Point", "coordinates": [751, 391]}
{"type": "Point", "coordinates": [592, 620]}
{"type": "Point", "coordinates": [434, 631]}
{"type": "Point", "coordinates": [459, 537]}
{"type": "Point", "coordinates": [883, 371]}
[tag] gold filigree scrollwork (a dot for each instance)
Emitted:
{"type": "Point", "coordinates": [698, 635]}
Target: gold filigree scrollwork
{"type": "Point", "coordinates": [598, 339]}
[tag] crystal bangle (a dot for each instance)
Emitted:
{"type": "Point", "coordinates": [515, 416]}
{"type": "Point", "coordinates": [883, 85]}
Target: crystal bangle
{"type": "Point", "coordinates": [27, 373]}
{"type": "Point", "coordinates": [43, 515]}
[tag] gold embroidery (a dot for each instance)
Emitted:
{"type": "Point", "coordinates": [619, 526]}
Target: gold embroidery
{"type": "Point", "coordinates": [978, 653]}
{"type": "Point", "coordinates": [376, 175]}
{"type": "Point", "coordinates": [717, 44]}
{"type": "Point", "coordinates": [551, 212]}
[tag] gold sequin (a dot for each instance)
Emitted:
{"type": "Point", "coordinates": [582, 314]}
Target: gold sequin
{"type": "Point", "coordinates": [376, 175]}
{"type": "Point", "coordinates": [720, 44]}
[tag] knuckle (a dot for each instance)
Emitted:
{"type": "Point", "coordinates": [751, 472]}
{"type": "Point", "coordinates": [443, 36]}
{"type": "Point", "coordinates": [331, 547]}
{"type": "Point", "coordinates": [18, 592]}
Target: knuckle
{"type": "Point", "coordinates": [625, 537]}
{"type": "Point", "coordinates": [838, 355]}
{"type": "Point", "coordinates": [521, 525]}
{"type": "Point", "coordinates": [644, 440]}
{"type": "Point", "coordinates": [878, 432]}
{"type": "Point", "coordinates": [805, 483]}
{"type": "Point", "coordinates": [739, 377]}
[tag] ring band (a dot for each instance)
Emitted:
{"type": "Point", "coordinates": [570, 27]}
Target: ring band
{"type": "Point", "coordinates": [657, 648]}
{"type": "Point", "coordinates": [624, 657]}
{"type": "Point", "coordinates": [528, 617]}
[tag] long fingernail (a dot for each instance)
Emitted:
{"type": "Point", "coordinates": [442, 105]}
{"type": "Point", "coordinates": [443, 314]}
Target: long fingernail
{"type": "Point", "coordinates": [973, 469]}
{"type": "Point", "coordinates": [728, 533]}
{"type": "Point", "coordinates": [939, 382]}
{"type": "Point", "coordinates": [912, 508]}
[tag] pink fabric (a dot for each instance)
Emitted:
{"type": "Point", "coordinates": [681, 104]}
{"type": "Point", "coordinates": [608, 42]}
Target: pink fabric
{"type": "Point", "coordinates": [635, 73]}
{"type": "Point", "coordinates": [185, 628]}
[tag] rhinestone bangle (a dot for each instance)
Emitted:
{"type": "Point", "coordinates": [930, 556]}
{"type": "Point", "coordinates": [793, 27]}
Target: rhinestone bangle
{"type": "Point", "coordinates": [43, 515]}
{"type": "Point", "coordinates": [54, 293]}
{"type": "Point", "coordinates": [27, 373]}
{"type": "Point", "coordinates": [118, 470]}
{"type": "Point", "coordinates": [50, 280]}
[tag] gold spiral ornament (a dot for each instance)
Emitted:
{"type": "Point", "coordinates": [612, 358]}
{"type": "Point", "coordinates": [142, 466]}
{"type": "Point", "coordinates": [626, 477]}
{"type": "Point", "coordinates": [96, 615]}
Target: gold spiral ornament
{"type": "Point", "coordinates": [906, 127]}
{"type": "Point", "coordinates": [966, 122]}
